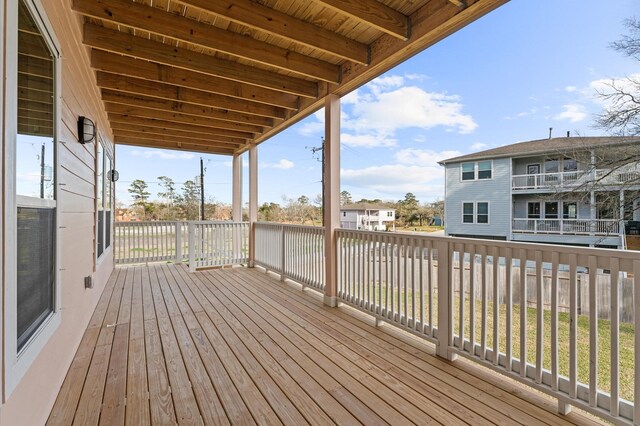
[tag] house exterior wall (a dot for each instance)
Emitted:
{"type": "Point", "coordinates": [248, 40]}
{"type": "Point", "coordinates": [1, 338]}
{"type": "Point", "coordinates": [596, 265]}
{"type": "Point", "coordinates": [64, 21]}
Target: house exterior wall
{"type": "Point", "coordinates": [30, 402]}
{"type": "Point", "coordinates": [520, 164]}
{"type": "Point", "coordinates": [353, 219]}
{"type": "Point", "coordinates": [520, 204]}
{"type": "Point", "coordinates": [494, 191]}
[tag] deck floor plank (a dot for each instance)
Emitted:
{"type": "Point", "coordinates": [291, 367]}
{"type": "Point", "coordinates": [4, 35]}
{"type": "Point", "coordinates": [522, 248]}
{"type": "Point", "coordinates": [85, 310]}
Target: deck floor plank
{"type": "Point", "coordinates": [236, 346]}
{"type": "Point", "coordinates": [432, 386]}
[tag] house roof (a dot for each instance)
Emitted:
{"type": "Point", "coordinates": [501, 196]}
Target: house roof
{"type": "Point", "coordinates": [545, 146]}
{"type": "Point", "coordinates": [365, 206]}
{"type": "Point", "coordinates": [220, 76]}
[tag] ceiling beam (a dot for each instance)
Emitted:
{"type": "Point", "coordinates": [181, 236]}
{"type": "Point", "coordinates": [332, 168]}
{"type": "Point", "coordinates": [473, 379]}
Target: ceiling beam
{"type": "Point", "coordinates": [131, 67]}
{"type": "Point", "coordinates": [138, 47]}
{"type": "Point", "coordinates": [181, 94]}
{"type": "Point", "coordinates": [175, 138]}
{"type": "Point", "coordinates": [166, 125]}
{"type": "Point", "coordinates": [184, 108]}
{"type": "Point", "coordinates": [179, 146]}
{"type": "Point", "coordinates": [168, 116]}
{"type": "Point", "coordinates": [158, 132]}
{"type": "Point", "coordinates": [260, 17]}
{"type": "Point", "coordinates": [373, 13]}
{"type": "Point", "coordinates": [178, 27]}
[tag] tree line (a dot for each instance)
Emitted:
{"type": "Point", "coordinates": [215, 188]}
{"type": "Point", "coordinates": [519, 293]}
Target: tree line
{"type": "Point", "coordinates": [184, 204]}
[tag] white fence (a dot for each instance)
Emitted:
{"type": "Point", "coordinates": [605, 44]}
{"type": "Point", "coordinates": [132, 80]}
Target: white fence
{"type": "Point", "coordinates": [217, 244]}
{"type": "Point", "coordinates": [151, 241]}
{"type": "Point", "coordinates": [567, 226]}
{"type": "Point", "coordinates": [293, 251]}
{"type": "Point", "coordinates": [553, 343]}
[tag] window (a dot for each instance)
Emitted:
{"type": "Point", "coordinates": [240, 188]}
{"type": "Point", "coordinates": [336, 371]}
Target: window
{"type": "Point", "coordinates": [551, 166]}
{"type": "Point", "coordinates": [478, 211]}
{"type": "Point", "coordinates": [467, 212]}
{"type": "Point", "coordinates": [468, 171]}
{"type": "Point", "coordinates": [551, 210]}
{"type": "Point", "coordinates": [104, 202]}
{"type": "Point", "coordinates": [569, 210]}
{"type": "Point", "coordinates": [483, 213]}
{"type": "Point", "coordinates": [533, 169]}
{"type": "Point", "coordinates": [533, 210]}
{"type": "Point", "coordinates": [35, 179]}
{"type": "Point", "coordinates": [477, 171]}
{"type": "Point", "coordinates": [389, 214]}
{"type": "Point", "coordinates": [484, 169]}
{"type": "Point", "coordinates": [569, 165]}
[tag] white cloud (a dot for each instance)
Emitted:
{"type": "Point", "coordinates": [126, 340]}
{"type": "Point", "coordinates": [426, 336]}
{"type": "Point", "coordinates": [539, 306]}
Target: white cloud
{"type": "Point", "coordinates": [522, 114]}
{"type": "Point", "coordinates": [572, 112]}
{"type": "Point", "coordinates": [163, 155]}
{"type": "Point", "coordinates": [366, 141]}
{"type": "Point", "coordinates": [570, 89]}
{"type": "Point", "coordinates": [283, 164]}
{"type": "Point", "coordinates": [478, 146]}
{"type": "Point", "coordinates": [373, 114]}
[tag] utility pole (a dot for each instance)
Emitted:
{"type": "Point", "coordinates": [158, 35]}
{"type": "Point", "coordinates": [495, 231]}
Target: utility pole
{"type": "Point", "coordinates": [314, 150]}
{"type": "Point", "coordinates": [42, 172]}
{"type": "Point", "coordinates": [201, 189]}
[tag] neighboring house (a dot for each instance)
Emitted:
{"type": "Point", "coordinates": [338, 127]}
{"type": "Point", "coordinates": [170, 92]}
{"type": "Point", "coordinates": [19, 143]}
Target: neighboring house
{"type": "Point", "coordinates": [368, 217]}
{"type": "Point", "coordinates": [557, 190]}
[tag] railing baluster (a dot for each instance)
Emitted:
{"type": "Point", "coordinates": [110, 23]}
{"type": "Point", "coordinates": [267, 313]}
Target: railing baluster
{"type": "Point", "coordinates": [496, 307]}
{"type": "Point", "coordinates": [554, 320]}
{"type": "Point", "coordinates": [573, 327]}
{"type": "Point", "coordinates": [461, 253]}
{"type": "Point", "coordinates": [539, 316]}
{"type": "Point", "coordinates": [472, 300]}
{"type": "Point", "coordinates": [614, 276]}
{"type": "Point", "coordinates": [509, 308]}
{"type": "Point", "coordinates": [593, 332]}
{"type": "Point", "coordinates": [483, 334]}
{"type": "Point", "coordinates": [523, 312]}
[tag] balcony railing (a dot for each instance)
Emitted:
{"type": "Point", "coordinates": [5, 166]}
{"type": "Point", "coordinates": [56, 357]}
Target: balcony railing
{"type": "Point", "coordinates": [561, 319]}
{"type": "Point", "coordinates": [566, 226]}
{"type": "Point", "coordinates": [293, 251]}
{"type": "Point", "coordinates": [625, 175]}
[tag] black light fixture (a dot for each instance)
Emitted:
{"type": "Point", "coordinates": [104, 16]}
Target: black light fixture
{"type": "Point", "coordinates": [114, 175]}
{"type": "Point", "coordinates": [86, 130]}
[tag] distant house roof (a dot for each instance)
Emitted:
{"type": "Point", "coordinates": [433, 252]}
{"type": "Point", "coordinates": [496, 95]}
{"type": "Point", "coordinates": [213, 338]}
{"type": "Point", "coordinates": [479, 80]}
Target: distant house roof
{"type": "Point", "coordinates": [544, 146]}
{"type": "Point", "coordinates": [365, 206]}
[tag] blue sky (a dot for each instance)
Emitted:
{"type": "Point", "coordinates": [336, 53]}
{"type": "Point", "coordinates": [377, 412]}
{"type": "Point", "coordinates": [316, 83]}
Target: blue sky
{"type": "Point", "coordinates": [505, 78]}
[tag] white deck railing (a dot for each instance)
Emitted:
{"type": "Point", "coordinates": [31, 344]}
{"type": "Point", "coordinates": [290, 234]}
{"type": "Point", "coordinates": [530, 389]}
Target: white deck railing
{"type": "Point", "coordinates": [567, 226]}
{"type": "Point", "coordinates": [151, 241]}
{"type": "Point", "coordinates": [217, 244]}
{"type": "Point", "coordinates": [628, 174]}
{"type": "Point", "coordinates": [293, 251]}
{"type": "Point", "coordinates": [583, 357]}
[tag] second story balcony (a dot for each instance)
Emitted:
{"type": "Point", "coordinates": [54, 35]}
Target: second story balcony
{"type": "Point", "coordinates": [628, 175]}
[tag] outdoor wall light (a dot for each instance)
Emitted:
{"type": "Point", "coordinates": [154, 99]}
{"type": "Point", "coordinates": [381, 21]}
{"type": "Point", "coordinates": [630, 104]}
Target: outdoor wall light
{"type": "Point", "coordinates": [114, 175]}
{"type": "Point", "coordinates": [86, 130]}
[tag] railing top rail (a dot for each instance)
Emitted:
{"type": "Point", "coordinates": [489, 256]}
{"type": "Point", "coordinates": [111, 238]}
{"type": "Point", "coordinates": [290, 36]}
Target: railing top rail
{"type": "Point", "coordinates": [291, 225]}
{"type": "Point", "coordinates": [146, 222]}
{"type": "Point", "coordinates": [550, 248]}
{"type": "Point", "coordinates": [215, 222]}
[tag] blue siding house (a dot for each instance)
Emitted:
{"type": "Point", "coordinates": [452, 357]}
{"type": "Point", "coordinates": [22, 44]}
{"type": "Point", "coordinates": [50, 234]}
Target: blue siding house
{"type": "Point", "coordinates": [558, 190]}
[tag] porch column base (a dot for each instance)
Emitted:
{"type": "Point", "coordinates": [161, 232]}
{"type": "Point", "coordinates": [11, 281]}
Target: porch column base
{"type": "Point", "coordinates": [331, 301]}
{"type": "Point", "coordinates": [564, 408]}
{"type": "Point", "coordinates": [444, 352]}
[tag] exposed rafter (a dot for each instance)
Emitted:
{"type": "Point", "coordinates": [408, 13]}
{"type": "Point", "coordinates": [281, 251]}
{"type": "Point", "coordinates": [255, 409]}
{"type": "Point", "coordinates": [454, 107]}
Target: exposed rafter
{"type": "Point", "coordinates": [167, 125]}
{"type": "Point", "coordinates": [127, 66]}
{"type": "Point", "coordinates": [175, 93]}
{"type": "Point", "coordinates": [172, 144]}
{"type": "Point", "coordinates": [170, 137]}
{"type": "Point", "coordinates": [258, 16]}
{"type": "Point", "coordinates": [375, 14]}
{"type": "Point", "coordinates": [138, 47]}
{"type": "Point", "coordinates": [160, 22]}
{"type": "Point", "coordinates": [184, 108]}
{"type": "Point", "coordinates": [167, 116]}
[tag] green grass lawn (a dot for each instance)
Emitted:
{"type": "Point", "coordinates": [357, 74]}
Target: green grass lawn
{"type": "Point", "coordinates": [626, 338]}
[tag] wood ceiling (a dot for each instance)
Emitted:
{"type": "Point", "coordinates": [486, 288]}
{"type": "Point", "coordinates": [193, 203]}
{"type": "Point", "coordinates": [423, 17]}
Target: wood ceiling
{"type": "Point", "coordinates": [219, 75]}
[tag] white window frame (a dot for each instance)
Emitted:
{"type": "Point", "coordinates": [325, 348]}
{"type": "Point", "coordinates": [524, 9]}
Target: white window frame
{"type": "Point", "coordinates": [17, 363]}
{"type": "Point", "coordinates": [476, 171]}
{"type": "Point", "coordinates": [107, 153]}
{"type": "Point", "coordinates": [475, 213]}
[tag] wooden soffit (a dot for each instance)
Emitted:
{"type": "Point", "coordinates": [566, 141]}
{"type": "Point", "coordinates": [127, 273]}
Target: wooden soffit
{"type": "Point", "coordinates": [218, 76]}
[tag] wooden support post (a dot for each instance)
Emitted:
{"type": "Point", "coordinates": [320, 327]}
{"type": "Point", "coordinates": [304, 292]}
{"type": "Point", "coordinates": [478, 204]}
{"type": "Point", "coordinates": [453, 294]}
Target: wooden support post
{"type": "Point", "coordinates": [253, 202]}
{"type": "Point", "coordinates": [445, 300]}
{"type": "Point", "coordinates": [192, 247]}
{"type": "Point", "coordinates": [237, 188]}
{"type": "Point", "coordinates": [331, 200]}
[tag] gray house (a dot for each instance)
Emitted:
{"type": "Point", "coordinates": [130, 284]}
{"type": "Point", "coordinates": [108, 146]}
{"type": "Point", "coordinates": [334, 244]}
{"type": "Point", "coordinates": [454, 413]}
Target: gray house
{"type": "Point", "coordinates": [572, 190]}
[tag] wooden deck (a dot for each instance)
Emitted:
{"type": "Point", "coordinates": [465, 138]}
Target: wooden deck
{"type": "Point", "coordinates": [236, 346]}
